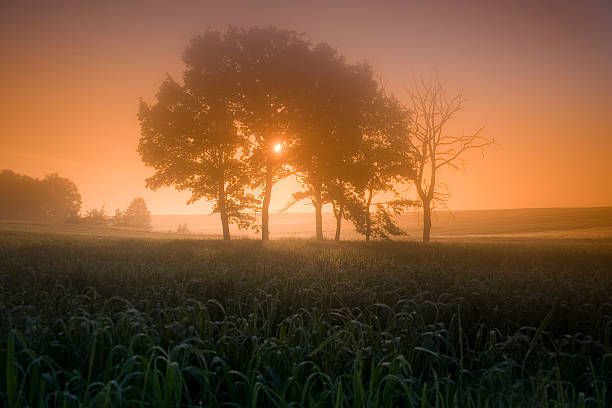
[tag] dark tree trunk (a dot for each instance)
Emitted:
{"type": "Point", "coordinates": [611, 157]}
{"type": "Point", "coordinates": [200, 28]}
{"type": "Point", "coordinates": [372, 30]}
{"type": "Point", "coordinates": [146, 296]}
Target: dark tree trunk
{"type": "Point", "coordinates": [223, 212]}
{"type": "Point", "coordinates": [426, 220]}
{"type": "Point", "coordinates": [225, 225]}
{"type": "Point", "coordinates": [339, 215]}
{"type": "Point", "coordinates": [368, 219]}
{"type": "Point", "coordinates": [265, 216]}
{"type": "Point", "coordinates": [318, 204]}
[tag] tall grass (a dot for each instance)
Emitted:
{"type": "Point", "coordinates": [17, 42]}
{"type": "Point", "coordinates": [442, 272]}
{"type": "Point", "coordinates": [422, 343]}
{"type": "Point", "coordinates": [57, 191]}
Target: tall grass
{"type": "Point", "coordinates": [150, 323]}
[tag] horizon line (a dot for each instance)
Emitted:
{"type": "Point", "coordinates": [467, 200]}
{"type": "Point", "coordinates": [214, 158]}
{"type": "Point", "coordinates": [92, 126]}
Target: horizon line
{"type": "Point", "coordinates": [408, 212]}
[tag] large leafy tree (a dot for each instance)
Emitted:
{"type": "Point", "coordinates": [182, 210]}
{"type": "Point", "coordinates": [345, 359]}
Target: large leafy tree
{"type": "Point", "coordinates": [268, 64]}
{"type": "Point", "coordinates": [352, 142]}
{"type": "Point", "coordinates": [191, 137]}
{"type": "Point", "coordinates": [327, 122]}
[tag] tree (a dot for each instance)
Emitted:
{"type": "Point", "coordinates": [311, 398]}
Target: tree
{"type": "Point", "coordinates": [118, 219]}
{"type": "Point", "coordinates": [384, 160]}
{"type": "Point", "coordinates": [19, 197]}
{"type": "Point", "coordinates": [52, 199]}
{"type": "Point", "coordinates": [268, 63]}
{"type": "Point", "coordinates": [332, 102]}
{"type": "Point", "coordinates": [183, 229]}
{"type": "Point", "coordinates": [137, 215]}
{"type": "Point", "coordinates": [432, 109]}
{"type": "Point", "coordinates": [96, 217]}
{"type": "Point", "coordinates": [191, 136]}
{"type": "Point", "coordinates": [61, 198]}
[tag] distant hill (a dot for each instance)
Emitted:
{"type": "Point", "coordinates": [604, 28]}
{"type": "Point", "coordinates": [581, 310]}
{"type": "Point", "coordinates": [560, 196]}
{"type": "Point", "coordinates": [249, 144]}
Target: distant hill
{"type": "Point", "coordinates": [589, 222]}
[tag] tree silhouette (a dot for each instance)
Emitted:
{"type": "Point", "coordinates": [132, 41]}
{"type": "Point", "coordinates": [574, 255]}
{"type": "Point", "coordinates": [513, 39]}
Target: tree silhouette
{"type": "Point", "coordinates": [61, 198]}
{"type": "Point", "coordinates": [95, 217]}
{"type": "Point", "coordinates": [433, 108]}
{"type": "Point", "coordinates": [331, 107]}
{"type": "Point", "coordinates": [137, 215]}
{"type": "Point", "coordinates": [191, 136]}
{"type": "Point", "coordinates": [352, 140]}
{"type": "Point", "coordinates": [52, 199]}
{"type": "Point", "coordinates": [268, 63]}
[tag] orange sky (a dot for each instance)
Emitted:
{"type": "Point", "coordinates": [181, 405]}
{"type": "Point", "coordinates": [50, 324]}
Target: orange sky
{"type": "Point", "coordinates": [537, 76]}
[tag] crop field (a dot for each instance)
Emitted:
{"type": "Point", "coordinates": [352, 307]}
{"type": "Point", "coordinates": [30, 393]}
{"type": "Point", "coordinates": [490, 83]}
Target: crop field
{"type": "Point", "coordinates": [112, 320]}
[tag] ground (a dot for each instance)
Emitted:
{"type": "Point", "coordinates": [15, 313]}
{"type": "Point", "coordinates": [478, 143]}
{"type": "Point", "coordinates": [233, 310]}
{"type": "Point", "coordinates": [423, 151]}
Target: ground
{"type": "Point", "coordinates": [112, 317]}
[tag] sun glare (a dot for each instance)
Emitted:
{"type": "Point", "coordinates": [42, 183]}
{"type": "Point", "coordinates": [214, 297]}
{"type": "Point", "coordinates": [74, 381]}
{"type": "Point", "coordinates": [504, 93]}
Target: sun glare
{"type": "Point", "coordinates": [278, 147]}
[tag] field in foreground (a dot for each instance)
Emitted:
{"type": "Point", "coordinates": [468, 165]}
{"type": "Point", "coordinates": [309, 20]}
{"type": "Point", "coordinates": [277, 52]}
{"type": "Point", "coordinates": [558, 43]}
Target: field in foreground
{"type": "Point", "coordinates": [135, 321]}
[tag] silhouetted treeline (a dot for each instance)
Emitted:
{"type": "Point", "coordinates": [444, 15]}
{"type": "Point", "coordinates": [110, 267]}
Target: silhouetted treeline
{"type": "Point", "coordinates": [256, 105]}
{"type": "Point", "coordinates": [137, 215]}
{"type": "Point", "coordinates": [50, 199]}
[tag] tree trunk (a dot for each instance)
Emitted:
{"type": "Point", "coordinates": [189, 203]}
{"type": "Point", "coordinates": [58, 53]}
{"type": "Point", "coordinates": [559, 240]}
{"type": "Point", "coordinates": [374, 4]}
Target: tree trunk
{"type": "Point", "coordinates": [318, 204]}
{"type": "Point", "coordinates": [265, 216]}
{"type": "Point", "coordinates": [225, 225]}
{"type": "Point", "coordinates": [368, 219]}
{"type": "Point", "coordinates": [223, 213]}
{"type": "Point", "coordinates": [426, 220]}
{"type": "Point", "coordinates": [339, 215]}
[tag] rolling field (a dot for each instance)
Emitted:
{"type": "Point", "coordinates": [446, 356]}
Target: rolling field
{"type": "Point", "coordinates": [107, 318]}
{"type": "Point", "coordinates": [588, 222]}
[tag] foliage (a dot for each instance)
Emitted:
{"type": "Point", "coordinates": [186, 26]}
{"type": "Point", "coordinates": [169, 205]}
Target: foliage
{"type": "Point", "coordinates": [191, 138]}
{"type": "Point", "coordinates": [351, 139]}
{"type": "Point", "coordinates": [137, 215]}
{"type": "Point", "coordinates": [135, 322]}
{"type": "Point", "coordinates": [95, 216]}
{"type": "Point", "coordinates": [381, 224]}
{"type": "Point", "coordinates": [183, 229]}
{"type": "Point", "coordinates": [268, 64]}
{"type": "Point", "coordinates": [247, 91]}
{"type": "Point", "coordinates": [383, 162]}
{"type": "Point", "coordinates": [51, 199]}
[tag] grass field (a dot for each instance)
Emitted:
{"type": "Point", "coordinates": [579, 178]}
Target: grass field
{"type": "Point", "coordinates": [108, 317]}
{"type": "Point", "coordinates": [587, 222]}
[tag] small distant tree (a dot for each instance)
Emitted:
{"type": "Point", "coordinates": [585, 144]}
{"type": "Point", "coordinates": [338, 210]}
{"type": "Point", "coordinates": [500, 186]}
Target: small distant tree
{"type": "Point", "coordinates": [432, 109]}
{"type": "Point", "coordinates": [118, 218]}
{"type": "Point", "coordinates": [61, 198]}
{"type": "Point", "coordinates": [183, 229]}
{"type": "Point", "coordinates": [51, 199]}
{"type": "Point", "coordinates": [137, 215]}
{"type": "Point", "coordinates": [19, 197]}
{"type": "Point", "coordinates": [95, 217]}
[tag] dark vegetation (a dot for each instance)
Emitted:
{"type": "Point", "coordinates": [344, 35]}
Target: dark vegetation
{"type": "Point", "coordinates": [137, 215]}
{"type": "Point", "coordinates": [257, 105]}
{"type": "Point", "coordinates": [51, 199]}
{"type": "Point", "coordinates": [56, 200]}
{"type": "Point", "coordinates": [99, 321]}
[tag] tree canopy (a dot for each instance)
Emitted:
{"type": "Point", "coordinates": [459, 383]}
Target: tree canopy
{"type": "Point", "coordinates": [191, 136]}
{"type": "Point", "coordinates": [51, 199]}
{"type": "Point", "coordinates": [256, 105]}
{"type": "Point", "coordinates": [137, 215]}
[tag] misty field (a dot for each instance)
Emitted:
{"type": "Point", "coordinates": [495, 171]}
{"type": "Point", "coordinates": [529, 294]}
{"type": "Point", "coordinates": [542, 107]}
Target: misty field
{"type": "Point", "coordinates": [101, 320]}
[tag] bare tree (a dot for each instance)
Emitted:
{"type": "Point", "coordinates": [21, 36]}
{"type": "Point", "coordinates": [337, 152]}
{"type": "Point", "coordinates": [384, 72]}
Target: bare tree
{"type": "Point", "coordinates": [432, 109]}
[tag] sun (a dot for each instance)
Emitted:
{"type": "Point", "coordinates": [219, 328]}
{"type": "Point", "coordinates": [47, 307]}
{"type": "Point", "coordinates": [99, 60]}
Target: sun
{"type": "Point", "coordinates": [278, 147]}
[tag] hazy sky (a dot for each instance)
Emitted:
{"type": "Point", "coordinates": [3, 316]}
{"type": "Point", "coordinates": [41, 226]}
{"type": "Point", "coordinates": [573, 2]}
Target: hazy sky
{"type": "Point", "coordinates": [538, 76]}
